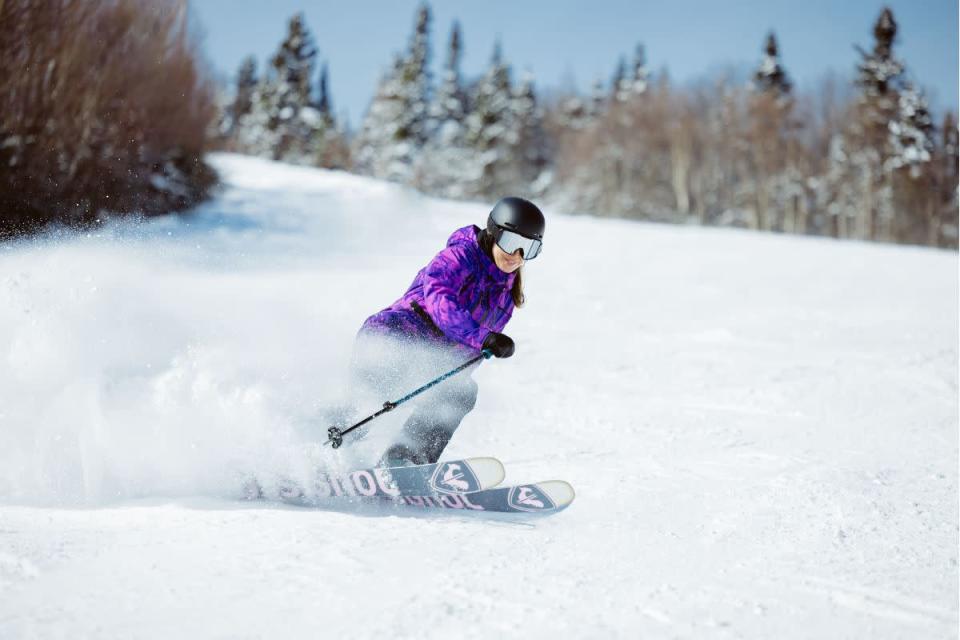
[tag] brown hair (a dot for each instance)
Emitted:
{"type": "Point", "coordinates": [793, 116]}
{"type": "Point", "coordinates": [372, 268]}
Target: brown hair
{"type": "Point", "coordinates": [516, 292]}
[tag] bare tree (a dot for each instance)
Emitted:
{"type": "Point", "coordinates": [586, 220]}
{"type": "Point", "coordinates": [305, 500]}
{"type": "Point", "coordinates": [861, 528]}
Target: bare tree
{"type": "Point", "coordinates": [103, 107]}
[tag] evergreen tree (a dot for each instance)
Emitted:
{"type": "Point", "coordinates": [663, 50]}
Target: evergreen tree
{"type": "Point", "coordinates": [416, 79]}
{"type": "Point", "coordinates": [396, 126]}
{"type": "Point", "coordinates": [862, 194]}
{"type": "Point", "coordinates": [625, 86]}
{"type": "Point", "coordinates": [238, 104]}
{"type": "Point", "coordinates": [282, 122]}
{"type": "Point", "coordinates": [295, 122]}
{"type": "Point", "coordinates": [489, 127]}
{"type": "Point", "coordinates": [618, 83]}
{"type": "Point", "coordinates": [450, 103]}
{"type": "Point", "coordinates": [889, 140]}
{"type": "Point", "coordinates": [641, 75]}
{"type": "Point", "coordinates": [530, 155]}
{"type": "Point", "coordinates": [506, 134]}
{"type": "Point", "coordinates": [772, 179]}
{"type": "Point", "coordinates": [598, 100]}
{"type": "Point", "coordinates": [573, 113]}
{"type": "Point", "coordinates": [378, 149]}
{"type": "Point", "coordinates": [324, 103]}
{"type": "Point", "coordinates": [770, 77]}
{"type": "Point", "coordinates": [246, 86]}
{"type": "Point", "coordinates": [292, 67]}
{"type": "Point", "coordinates": [879, 69]}
{"type": "Point", "coordinates": [445, 165]}
{"type": "Point", "coordinates": [330, 147]}
{"type": "Point", "coordinates": [911, 132]}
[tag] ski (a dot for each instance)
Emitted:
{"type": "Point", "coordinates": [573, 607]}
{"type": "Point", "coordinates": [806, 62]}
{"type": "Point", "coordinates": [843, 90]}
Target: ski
{"type": "Point", "coordinates": [451, 477]}
{"type": "Point", "coordinates": [547, 497]}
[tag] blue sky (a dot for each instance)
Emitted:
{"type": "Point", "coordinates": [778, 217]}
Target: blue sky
{"type": "Point", "coordinates": [564, 41]}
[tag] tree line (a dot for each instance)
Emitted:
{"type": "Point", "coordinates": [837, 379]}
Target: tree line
{"type": "Point", "coordinates": [869, 165]}
{"type": "Point", "coordinates": [105, 110]}
{"type": "Point", "coordinates": [865, 161]}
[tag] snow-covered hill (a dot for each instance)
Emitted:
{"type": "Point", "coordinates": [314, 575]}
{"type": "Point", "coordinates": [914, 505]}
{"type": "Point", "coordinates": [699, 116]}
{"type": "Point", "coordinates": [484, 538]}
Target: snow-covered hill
{"type": "Point", "coordinates": [762, 430]}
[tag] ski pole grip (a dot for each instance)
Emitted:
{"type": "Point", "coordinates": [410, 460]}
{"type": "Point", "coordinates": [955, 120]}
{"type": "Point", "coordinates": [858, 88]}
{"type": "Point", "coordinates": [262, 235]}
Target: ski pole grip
{"type": "Point", "coordinates": [487, 354]}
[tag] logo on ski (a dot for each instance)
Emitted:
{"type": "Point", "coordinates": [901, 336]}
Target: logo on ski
{"type": "Point", "coordinates": [455, 477]}
{"type": "Point", "coordinates": [530, 498]}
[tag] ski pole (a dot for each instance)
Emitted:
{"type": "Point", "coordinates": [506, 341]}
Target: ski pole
{"type": "Point", "coordinates": [335, 435]}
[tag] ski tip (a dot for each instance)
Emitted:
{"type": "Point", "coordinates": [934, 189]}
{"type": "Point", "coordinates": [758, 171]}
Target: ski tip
{"type": "Point", "coordinates": [559, 491]}
{"type": "Point", "coordinates": [489, 471]}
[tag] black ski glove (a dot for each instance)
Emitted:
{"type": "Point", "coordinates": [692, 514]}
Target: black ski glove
{"type": "Point", "coordinates": [499, 345]}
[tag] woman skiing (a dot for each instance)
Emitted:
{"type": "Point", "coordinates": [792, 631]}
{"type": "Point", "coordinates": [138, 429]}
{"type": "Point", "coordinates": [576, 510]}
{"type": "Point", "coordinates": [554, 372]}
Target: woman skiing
{"type": "Point", "coordinates": [457, 306]}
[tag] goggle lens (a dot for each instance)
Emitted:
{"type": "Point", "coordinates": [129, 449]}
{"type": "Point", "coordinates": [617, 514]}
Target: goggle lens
{"type": "Point", "coordinates": [510, 242]}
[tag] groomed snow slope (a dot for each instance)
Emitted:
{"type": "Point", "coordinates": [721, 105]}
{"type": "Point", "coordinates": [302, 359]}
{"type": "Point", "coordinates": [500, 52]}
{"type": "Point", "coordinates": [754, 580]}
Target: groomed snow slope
{"type": "Point", "coordinates": [762, 430]}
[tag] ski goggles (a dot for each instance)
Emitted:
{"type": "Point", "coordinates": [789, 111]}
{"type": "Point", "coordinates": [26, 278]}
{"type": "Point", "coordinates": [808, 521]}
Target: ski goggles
{"type": "Point", "coordinates": [510, 242]}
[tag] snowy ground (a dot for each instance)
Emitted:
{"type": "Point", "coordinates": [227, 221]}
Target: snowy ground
{"type": "Point", "coordinates": [762, 430]}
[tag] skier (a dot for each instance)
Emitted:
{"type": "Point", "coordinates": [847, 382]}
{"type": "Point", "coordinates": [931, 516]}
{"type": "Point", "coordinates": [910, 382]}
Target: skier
{"type": "Point", "coordinates": [457, 306]}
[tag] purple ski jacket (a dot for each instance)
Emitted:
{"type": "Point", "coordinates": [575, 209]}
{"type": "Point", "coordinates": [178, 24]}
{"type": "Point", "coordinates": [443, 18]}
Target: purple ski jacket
{"type": "Point", "coordinates": [460, 296]}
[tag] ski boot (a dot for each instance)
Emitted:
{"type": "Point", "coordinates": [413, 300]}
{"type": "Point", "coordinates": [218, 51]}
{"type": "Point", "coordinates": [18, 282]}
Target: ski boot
{"type": "Point", "coordinates": [400, 455]}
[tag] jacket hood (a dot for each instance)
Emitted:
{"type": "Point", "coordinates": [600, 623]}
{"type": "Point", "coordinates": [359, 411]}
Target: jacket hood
{"type": "Point", "coordinates": [464, 236]}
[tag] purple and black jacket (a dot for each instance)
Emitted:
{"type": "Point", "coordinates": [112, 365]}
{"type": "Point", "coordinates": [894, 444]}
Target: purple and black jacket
{"type": "Point", "coordinates": [459, 297]}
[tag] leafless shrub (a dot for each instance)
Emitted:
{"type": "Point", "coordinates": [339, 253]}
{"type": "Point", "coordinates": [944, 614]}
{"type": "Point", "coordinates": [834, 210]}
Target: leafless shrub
{"type": "Point", "coordinates": [103, 108]}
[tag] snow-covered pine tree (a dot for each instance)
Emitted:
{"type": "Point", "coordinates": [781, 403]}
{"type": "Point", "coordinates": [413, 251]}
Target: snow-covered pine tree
{"type": "Point", "coordinates": [489, 128]}
{"type": "Point", "coordinates": [445, 164]}
{"type": "Point", "coordinates": [888, 136]}
{"type": "Point", "coordinates": [879, 70]}
{"type": "Point", "coordinates": [396, 125]}
{"type": "Point", "coordinates": [506, 134]}
{"type": "Point", "coordinates": [770, 76]}
{"type": "Point", "coordinates": [531, 148]}
{"type": "Point", "coordinates": [378, 149]}
{"type": "Point", "coordinates": [331, 147]}
{"type": "Point", "coordinates": [878, 75]}
{"type": "Point", "coordinates": [296, 122]}
{"type": "Point", "coordinates": [416, 77]}
{"type": "Point", "coordinates": [619, 88]}
{"type": "Point", "coordinates": [641, 75]}
{"type": "Point", "coordinates": [597, 104]}
{"type": "Point", "coordinates": [450, 102]}
{"type": "Point", "coordinates": [240, 103]}
{"type": "Point", "coordinates": [911, 132]}
{"type": "Point", "coordinates": [246, 84]}
{"type": "Point", "coordinates": [772, 180]}
{"type": "Point", "coordinates": [911, 172]}
{"type": "Point", "coordinates": [251, 133]}
{"type": "Point", "coordinates": [324, 102]}
{"type": "Point", "coordinates": [571, 113]}
{"type": "Point", "coordinates": [282, 122]}
{"type": "Point", "coordinates": [858, 191]}
{"type": "Point", "coordinates": [625, 86]}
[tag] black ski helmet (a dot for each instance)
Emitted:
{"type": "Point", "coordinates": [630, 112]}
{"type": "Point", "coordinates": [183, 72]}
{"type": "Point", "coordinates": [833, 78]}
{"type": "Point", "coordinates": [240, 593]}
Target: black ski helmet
{"type": "Point", "coordinates": [517, 215]}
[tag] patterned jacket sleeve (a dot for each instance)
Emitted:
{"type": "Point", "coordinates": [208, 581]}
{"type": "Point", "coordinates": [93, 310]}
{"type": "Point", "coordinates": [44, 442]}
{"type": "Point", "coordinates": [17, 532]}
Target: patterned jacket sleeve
{"type": "Point", "coordinates": [442, 277]}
